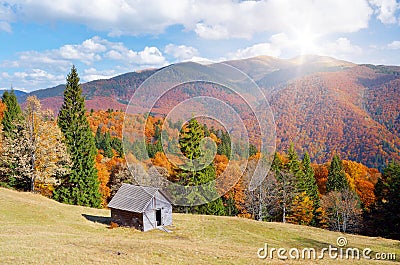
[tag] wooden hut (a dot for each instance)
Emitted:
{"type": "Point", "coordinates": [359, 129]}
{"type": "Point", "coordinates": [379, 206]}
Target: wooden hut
{"type": "Point", "coordinates": [144, 208]}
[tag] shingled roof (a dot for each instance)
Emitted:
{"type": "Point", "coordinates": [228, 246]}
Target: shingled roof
{"type": "Point", "coordinates": [133, 198]}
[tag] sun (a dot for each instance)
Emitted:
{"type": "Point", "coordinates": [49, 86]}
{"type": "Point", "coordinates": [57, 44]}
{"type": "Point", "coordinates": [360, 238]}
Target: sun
{"type": "Point", "coordinates": [305, 41]}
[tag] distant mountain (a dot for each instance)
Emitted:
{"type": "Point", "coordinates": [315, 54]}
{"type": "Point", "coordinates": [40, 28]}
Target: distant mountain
{"type": "Point", "coordinates": [100, 94]}
{"type": "Point", "coordinates": [18, 93]}
{"type": "Point", "coordinates": [322, 104]}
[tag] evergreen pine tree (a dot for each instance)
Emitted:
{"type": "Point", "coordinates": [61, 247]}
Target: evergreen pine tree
{"type": "Point", "coordinates": [252, 150]}
{"type": "Point", "coordinates": [224, 148]}
{"type": "Point", "coordinates": [116, 144]}
{"type": "Point", "coordinates": [385, 214]}
{"type": "Point", "coordinates": [189, 142]}
{"type": "Point", "coordinates": [106, 145]}
{"type": "Point", "coordinates": [277, 164]}
{"type": "Point", "coordinates": [293, 164]}
{"type": "Point", "coordinates": [308, 183]}
{"type": "Point", "coordinates": [98, 137]}
{"type": "Point", "coordinates": [337, 180]}
{"type": "Point", "coordinates": [81, 186]}
{"type": "Point", "coordinates": [13, 114]}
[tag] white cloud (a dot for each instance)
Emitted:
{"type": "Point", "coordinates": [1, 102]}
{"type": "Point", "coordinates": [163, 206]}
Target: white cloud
{"type": "Point", "coordinates": [228, 19]}
{"type": "Point", "coordinates": [255, 50]}
{"type": "Point", "coordinates": [212, 32]}
{"type": "Point", "coordinates": [386, 10]}
{"type": "Point", "coordinates": [75, 52]}
{"type": "Point", "coordinates": [280, 40]}
{"type": "Point", "coordinates": [273, 48]}
{"type": "Point", "coordinates": [211, 19]}
{"type": "Point", "coordinates": [394, 45]}
{"type": "Point", "coordinates": [94, 74]}
{"type": "Point", "coordinates": [342, 48]}
{"type": "Point", "coordinates": [151, 56]}
{"type": "Point", "coordinates": [343, 45]}
{"type": "Point", "coordinates": [39, 76]}
{"type": "Point", "coordinates": [148, 57]}
{"type": "Point", "coordinates": [88, 52]}
{"type": "Point", "coordinates": [35, 59]}
{"type": "Point", "coordinates": [6, 16]}
{"type": "Point", "coordinates": [4, 26]}
{"type": "Point", "coordinates": [50, 66]}
{"type": "Point", "coordinates": [181, 52]}
{"type": "Point", "coordinates": [4, 75]}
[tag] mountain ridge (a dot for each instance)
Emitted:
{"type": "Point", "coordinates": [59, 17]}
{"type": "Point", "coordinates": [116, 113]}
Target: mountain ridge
{"type": "Point", "coordinates": [322, 104]}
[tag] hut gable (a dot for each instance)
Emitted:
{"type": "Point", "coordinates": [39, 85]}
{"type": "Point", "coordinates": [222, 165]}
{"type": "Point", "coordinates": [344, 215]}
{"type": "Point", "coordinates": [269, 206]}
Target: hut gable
{"type": "Point", "coordinates": [142, 207]}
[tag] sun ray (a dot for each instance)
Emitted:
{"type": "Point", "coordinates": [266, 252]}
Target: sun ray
{"type": "Point", "coordinates": [305, 41]}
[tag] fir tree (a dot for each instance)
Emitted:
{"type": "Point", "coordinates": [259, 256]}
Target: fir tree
{"type": "Point", "coordinates": [189, 142]}
{"type": "Point", "coordinates": [116, 144]}
{"type": "Point", "coordinates": [81, 186]}
{"type": "Point", "coordinates": [308, 183]}
{"type": "Point", "coordinates": [293, 164]}
{"type": "Point", "coordinates": [13, 114]}
{"type": "Point", "coordinates": [98, 137]}
{"type": "Point", "coordinates": [277, 164]}
{"type": "Point", "coordinates": [337, 180]}
{"type": "Point", "coordinates": [252, 150]}
{"type": "Point", "coordinates": [386, 214]}
{"type": "Point", "coordinates": [106, 145]}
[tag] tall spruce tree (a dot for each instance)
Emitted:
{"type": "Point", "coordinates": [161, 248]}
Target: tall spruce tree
{"type": "Point", "coordinates": [386, 214]}
{"type": "Point", "coordinates": [277, 164]}
{"type": "Point", "coordinates": [337, 180]}
{"type": "Point", "coordinates": [13, 114]}
{"type": "Point", "coordinates": [189, 142]}
{"type": "Point", "coordinates": [81, 186]}
{"type": "Point", "coordinates": [293, 163]}
{"type": "Point", "coordinates": [308, 183]}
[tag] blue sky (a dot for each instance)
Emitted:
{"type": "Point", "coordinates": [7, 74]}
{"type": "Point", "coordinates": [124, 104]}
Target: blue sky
{"type": "Point", "coordinates": [41, 39]}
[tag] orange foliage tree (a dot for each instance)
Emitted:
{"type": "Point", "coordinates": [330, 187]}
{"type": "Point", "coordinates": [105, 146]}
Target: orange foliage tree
{"type": "Point", "coordinates": [230, 180]}
{"type": "Point", "coordinates": [104, 177]}
{"type": "Point", "coordinates": [3, 108]}
{"type": "Point", "coordinates": [364, 180]}
{"type": "Point", "coordinates": [161, 160]}
{"type": "Point", "coordinates": [321, 176]}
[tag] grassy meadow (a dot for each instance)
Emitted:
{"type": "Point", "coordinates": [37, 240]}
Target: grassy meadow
{"type": "Point", "coordinates": [37, 230]}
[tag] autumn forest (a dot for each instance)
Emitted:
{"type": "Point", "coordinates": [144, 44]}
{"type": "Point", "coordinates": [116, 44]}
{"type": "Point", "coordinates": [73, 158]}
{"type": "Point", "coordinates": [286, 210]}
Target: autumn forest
{"type": "Point", "coordinates": [78, 155]}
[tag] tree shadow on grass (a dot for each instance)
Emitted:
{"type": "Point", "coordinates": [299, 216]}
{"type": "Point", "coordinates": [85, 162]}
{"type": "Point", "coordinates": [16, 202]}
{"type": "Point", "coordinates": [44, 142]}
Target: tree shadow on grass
{"type": "Point", "coordinates": [98, 219]}
{"type": "Point", "coordinates": [311, 243]}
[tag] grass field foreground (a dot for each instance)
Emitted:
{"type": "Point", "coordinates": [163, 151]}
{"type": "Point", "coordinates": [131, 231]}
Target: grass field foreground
{"type": "Point", "coordinates": [37, 230]}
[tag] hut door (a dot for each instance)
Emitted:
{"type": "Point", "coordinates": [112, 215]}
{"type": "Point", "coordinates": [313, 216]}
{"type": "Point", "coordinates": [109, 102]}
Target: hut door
{"type": "Point", "coordinates": [158, 217]}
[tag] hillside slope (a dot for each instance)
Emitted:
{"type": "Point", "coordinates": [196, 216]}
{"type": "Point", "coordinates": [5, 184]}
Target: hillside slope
{"type": "Point", "coordinates": [36, 230]}
{"type": "Point", "coordinates": [340, 112]}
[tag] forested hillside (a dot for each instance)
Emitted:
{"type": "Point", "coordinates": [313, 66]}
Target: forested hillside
{"type": "Point", "coordinates": [322, 104]}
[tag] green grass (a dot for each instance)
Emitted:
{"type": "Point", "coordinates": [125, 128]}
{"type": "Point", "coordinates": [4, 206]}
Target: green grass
{"type": "Point", "coordinates": [36, 230]}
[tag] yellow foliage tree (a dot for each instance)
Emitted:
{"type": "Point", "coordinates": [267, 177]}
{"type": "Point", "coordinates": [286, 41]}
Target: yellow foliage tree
{"type": "Point", "coordinates": [302, 210]}
{"type": "Point", "coordinates": [49, 155]}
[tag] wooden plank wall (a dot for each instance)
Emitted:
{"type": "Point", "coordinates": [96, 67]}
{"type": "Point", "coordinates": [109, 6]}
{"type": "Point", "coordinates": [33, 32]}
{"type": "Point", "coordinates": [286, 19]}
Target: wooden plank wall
{"type": "Point", "coordinates": [149, 215]}
{"type": "Point", "coordinates": [125, 218]}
